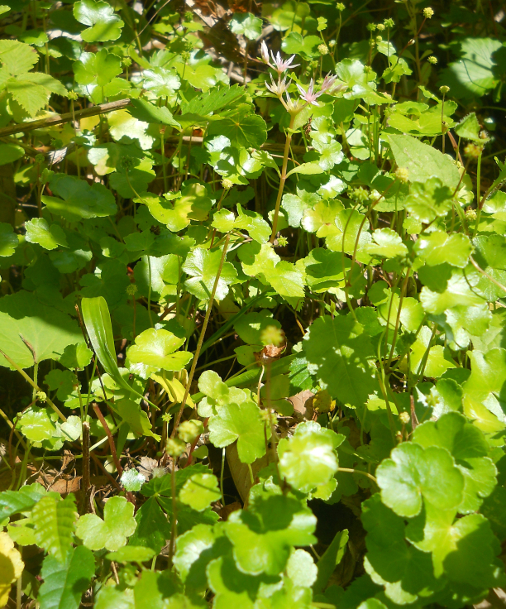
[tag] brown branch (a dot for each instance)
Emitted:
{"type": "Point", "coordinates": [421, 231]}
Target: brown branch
{"type": "Point", "coordinates": [65, 118]}
{"type": "Point", "coordinates": [110, 438]}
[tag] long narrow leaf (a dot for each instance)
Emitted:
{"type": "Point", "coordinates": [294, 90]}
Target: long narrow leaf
{"type": "Point", "coordinates": [97, 320]}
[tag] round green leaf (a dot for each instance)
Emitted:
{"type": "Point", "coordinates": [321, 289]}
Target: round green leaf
{"type": "Point", "coordinates": [308, 459]}
{"type": "Point", "coordinates": [413, 473]}
{"type": "Point", "coordinates": [48, 237]}
{"type": "Point", "coordinates": [200, 491]}
{"type": "Point", "coordinates": [8, 240]}
{"type": "Point", "coordinates": [156, 348]}
{"type": "Point", "coordinates": [105, 24]}
{"type": "Point", "coordinates": [111, 532]}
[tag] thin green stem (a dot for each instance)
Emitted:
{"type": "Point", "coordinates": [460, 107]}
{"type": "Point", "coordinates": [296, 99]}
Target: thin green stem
{"type": "Point", "coordinates": [282, 179]}
{"type": "Point", "coordinates": [201, 337]}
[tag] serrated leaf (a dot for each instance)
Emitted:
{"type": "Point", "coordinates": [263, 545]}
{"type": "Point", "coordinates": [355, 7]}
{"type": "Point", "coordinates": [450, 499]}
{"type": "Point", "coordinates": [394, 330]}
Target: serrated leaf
{"type": "Point", "coordinates": [17, 57]}
{"type": "Point", "coordinates": [32, 91]}
{"type": "Point", "coordinates": [54, 523]}
{"type": "Point", "coordinates": [469, 128]}
{"type": "Point", "coordinates": [213, 100]}
{"type": "Point", "coordinates": [153, 529]}
{"type": "Point", "coordinates": [113, 531]}
{"type": "Point", "coordinates": [13, 502]}
{"type": "Point", "coordinates": [65, 582]}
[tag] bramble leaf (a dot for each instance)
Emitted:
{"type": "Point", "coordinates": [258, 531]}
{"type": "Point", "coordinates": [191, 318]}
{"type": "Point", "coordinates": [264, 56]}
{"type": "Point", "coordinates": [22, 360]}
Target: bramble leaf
{"type": "Point", "coordinates": [54, 525]}
{"type": "Point", "coordinates": [65, 581]}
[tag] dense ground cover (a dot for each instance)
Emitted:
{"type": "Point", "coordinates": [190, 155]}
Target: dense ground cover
{"type": "Point", "coordinates": [252, 322]}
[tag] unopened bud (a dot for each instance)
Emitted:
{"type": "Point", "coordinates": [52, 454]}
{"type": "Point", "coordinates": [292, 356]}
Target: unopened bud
{"type": "Point", "coordinates": [188, 431]}
{"type": "Point", "coordinates": [404, 418]}
{"type": "Point", "coordinates": [428, 12]}
{"type": "Point", "coordinates": [175, 447]}
{"type": "Point", "coordinates": [402, 174]}
{"type": "Point", "coordinates": [473, 151]}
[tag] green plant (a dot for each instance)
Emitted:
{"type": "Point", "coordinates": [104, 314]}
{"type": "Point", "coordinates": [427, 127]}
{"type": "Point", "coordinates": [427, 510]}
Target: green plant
{"type": "Point", "coordinates": [252, 318]}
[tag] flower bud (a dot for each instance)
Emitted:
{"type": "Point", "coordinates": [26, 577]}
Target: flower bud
{"type": "Point", "coordinates": [432, 60]}
{"type": "Point", "coordinates": [175, 447]}
{"type": "Point", "coordinates": [188, 431]}
{"type": "Point", "coordinates": [404, 418]}
{"type": "Point", "coordinates": [402, 174]}
{"type": "Point", "coordinates": [473, 151]}
{"type": "Point", "coordinates": [428, 12]}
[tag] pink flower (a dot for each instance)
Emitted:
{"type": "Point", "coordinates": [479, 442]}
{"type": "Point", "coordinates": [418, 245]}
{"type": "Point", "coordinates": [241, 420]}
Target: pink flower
{"type": "Point", "coordinates": [309, 96]}
{"type": "Point", "coordinates": [278, 64]}
{"type": "Point", "coordinates": [278, 88]}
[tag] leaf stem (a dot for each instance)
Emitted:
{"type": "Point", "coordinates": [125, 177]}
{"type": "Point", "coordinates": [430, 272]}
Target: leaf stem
{"type": "Point", "coordinates": [282, 178]}
{"type": "Point", "coordinates": [201, 337]}
{"type": "Point", "coordinates": [33, 384]}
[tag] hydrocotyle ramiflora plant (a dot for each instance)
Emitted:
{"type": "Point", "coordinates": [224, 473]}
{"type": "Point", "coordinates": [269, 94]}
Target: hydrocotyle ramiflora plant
{"type": "Point", "coordinates": [252, 320]}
